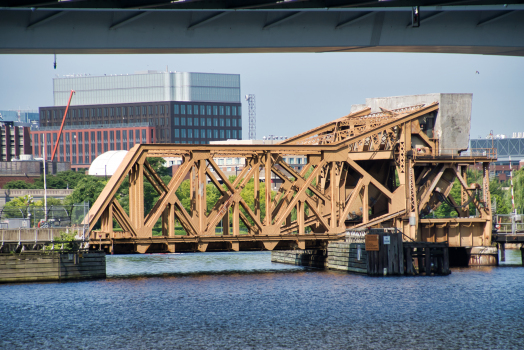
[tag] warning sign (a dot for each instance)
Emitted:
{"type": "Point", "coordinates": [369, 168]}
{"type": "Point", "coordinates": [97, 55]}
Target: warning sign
{"type": "Point", "coordinates": [372, 243]}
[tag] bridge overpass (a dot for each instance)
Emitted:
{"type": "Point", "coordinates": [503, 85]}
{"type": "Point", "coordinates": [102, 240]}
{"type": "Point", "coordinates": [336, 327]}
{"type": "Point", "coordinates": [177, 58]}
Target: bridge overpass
{"type": "Point", "coordinates": [232, 26]}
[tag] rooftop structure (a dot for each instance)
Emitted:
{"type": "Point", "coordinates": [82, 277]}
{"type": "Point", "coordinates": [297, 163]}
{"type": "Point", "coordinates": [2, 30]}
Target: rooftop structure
{"type": "Point", "coordinates": [147, 86]}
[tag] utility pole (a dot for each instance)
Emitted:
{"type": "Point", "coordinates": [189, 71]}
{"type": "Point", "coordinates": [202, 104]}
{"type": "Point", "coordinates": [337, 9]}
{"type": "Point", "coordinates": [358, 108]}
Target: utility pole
{"type": "Point", "coordinates": [252, 116]}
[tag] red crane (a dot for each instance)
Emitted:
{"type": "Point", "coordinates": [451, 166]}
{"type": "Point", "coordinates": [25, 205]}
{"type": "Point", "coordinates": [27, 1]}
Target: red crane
{"type": "Point", "coordinates": [62, 126]}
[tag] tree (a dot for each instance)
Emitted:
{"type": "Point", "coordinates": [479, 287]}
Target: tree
{"type": "Point", "coordinates": [19, 185]}
{"type": "Point", "coordinates": [87, 189]}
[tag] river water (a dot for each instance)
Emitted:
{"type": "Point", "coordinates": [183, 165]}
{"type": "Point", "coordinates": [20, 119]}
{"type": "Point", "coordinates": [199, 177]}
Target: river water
{"type": "Point", "coordinates": [243, 301]}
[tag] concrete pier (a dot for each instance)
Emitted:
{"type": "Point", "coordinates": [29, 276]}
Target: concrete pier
{"type": "Point", "coordinates": [51, 266]}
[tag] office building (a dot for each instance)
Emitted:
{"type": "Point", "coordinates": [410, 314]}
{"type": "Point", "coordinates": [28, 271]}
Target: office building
{"type": "Point", "coordinates": [167, 107]}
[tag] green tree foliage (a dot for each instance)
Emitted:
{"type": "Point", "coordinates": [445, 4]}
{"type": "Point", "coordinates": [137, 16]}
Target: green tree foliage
{"type": "Point", "coordinates": [87, 189]}
{"type": "Point", "coordinates": [518, 189]}
{"type": "Point", "coordinates": [157, 163]}
{"type": "Point", "coordinates": [19, 185]}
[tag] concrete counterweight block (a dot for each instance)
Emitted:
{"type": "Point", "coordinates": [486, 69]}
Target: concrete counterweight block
{"type": "Point", "coordinates": [482, 256]}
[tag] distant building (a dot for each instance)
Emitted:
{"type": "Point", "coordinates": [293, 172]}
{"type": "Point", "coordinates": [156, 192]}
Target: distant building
{"type": "Point", "coordinates": [507, 147]}
{"type": "Point", "coordinates": [14, 141]}
{"type": "Point", "coordinates": [81, 144]}
{"type": "Point", "coordinates": [22, 116]}
{"type": "Point", "coordinates": [172, 107]}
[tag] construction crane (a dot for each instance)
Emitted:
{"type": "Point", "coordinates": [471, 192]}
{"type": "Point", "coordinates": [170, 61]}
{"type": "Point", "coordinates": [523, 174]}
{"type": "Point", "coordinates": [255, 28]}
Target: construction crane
{"type": "Point", "coordinates": [62, 126]}
{"type": "Point", "coordinates": [252, 116]}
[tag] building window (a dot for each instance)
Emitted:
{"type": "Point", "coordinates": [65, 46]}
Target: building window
{"type": "Point", "coordinates": [196, 134]}
{"type": "Point", "coordinates": [221, 134]}
{"type": "Point", "coordinates": [177, 121]}
{"type": "Point", "coordinates": [124, 111]}
{"type": "Point", "coordinates": [190, 133]}
{"type": "Point", "coordinates": [228, 134]}
{"type": "Point", "coordinates": [106, 112]}
{"type": "Point", "coordinates": [144, 135]}
{"type": "Point", "coordinates": [196, 122]}
{"type": "Point", "coordinates": [228, 110]}
{"type": "Point", "coordinates": [215, 110]}
{"type": "Point", "coordinates": [299, 160]}
{"type": "Point", "coordinates": [221, 121]}
{"type": "Point", "coordinates": [112, 109]}
{"type": "Point", "coordinates": [215, 134]}
{"type": "Point", "coordinates": [240, 122]}
{"type": "Point", "coordinates": [234, 134]}
{"type": "Point", "coordinates": [215, 121]}
{"type": "Point", "coordinates": [183, 121]}
{"type": "Point", "coordinates": [167, 109]}
{"type": "Point", "coordinates": [221, 110]}
{"type": "Point", "coordinates": [189, 109]}
{"type": "Point", "coordinates": [234, 122]}
{"type": "Point", "coordinates": [131, 139]}
{"type": "Point", "coordinates": [130, 111]}
{"type": "Point", "coordinates": [202, 134]}
{"type": "Point", "coordinates": [209, 133]}
{"type": "Point", "coordinates": [209, 122]}
{"type": "Point", "coordinates": [202, 110]}
{"type": "Point", "coordinates": [291, 160]}
{"type": "Point", "coordinates": [144, 110]}
{"type": "Point", "coordinates": [176, 109]}
{"type": "Point", "coordinates": [190, 121]}
{"type": "Point", "coordinates": [177, 132]}
{"type": "Point", "coordinates": [234, 110]}
{"type": "Point", "coordinates": [149, 110]}
{"type": "Point", "coordinates": [183, 109]}
{"type": "Point", "coordinates": [156, 110]}
{"type": "Point", "coordinates": [228, 122]}
{"type": "Point", "coordinates": [183, 132]}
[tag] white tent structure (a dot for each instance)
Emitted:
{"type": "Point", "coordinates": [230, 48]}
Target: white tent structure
{"type": "Point", "coordinates": [106, 163]}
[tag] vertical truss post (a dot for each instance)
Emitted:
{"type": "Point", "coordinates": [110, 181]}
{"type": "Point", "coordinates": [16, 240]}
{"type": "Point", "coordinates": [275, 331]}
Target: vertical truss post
{"type": "Point", "coordinates": [486, 213]}
{"type": "Point", "coordinates": [256, 190]}
{"type": "Point", "coordinates": [107, 220]}
{"type": "Point", "coordinates": [136, 195]}
{"type": "Point", "coordinates": [236, 218]}
{"type": "Point", "coordinates": [365, 204]}
{"type": "Point", "coordinates": [267, 170]}
{"type": "Point", "coordinates": [463, 193]}
{"type": "Point", "coordinates": [334, 194]}
{"type": "Point", "coordinates": [192, 190]}
{"type": "Point", "coordinates": [225, 223]}
{"type": "Point", "coordinates": [300, 217]}
{"type": "Point", "coordinates": [171, 221]}
{"type": "Point", "coordinates": [201, 195]}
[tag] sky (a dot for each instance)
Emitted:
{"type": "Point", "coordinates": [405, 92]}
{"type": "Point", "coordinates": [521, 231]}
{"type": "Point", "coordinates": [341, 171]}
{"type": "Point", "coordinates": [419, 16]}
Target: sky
{"type": "Point", "coordinates": [299, 91]}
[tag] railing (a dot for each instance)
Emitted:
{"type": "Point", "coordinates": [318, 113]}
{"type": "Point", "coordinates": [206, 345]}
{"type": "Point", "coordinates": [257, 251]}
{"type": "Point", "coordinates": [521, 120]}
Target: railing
{"type": "Point", "coordinates": [456, 153]}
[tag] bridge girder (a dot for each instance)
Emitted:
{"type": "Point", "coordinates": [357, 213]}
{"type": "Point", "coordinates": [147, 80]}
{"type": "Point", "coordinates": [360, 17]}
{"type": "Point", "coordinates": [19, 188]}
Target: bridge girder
{"type": "Point", "coordinates": [496, 29]}
{"type": "Point", "coordinates": [348, 182]}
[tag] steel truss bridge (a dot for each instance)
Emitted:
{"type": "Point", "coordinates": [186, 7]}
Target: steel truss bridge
{"type": "Point", "coordinates": [361, 172]}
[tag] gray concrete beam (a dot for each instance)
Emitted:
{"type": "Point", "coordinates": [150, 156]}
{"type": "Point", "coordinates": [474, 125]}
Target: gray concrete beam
{"type": "Point", "coordinates": [243, 31]}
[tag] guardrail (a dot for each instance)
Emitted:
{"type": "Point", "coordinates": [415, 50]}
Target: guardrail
{"type": "Point", "coordinates": [456, 153]}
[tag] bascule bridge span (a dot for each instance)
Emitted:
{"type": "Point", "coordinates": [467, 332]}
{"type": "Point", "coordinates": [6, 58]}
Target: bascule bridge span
{"type": "Point", "coordinates": [375, 167]}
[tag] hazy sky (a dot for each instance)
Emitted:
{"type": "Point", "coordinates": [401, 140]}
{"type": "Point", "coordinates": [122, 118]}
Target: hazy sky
{"type": "Point", "coordinates": [296, 92]}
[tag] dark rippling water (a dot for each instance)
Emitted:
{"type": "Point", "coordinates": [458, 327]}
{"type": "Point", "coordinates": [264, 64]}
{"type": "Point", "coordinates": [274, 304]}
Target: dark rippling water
{"type": "Point", "coordinates": [243, 301]}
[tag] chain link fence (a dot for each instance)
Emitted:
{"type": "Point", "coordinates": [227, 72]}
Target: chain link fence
{"type": "Point", "coordinates": [53, 216]}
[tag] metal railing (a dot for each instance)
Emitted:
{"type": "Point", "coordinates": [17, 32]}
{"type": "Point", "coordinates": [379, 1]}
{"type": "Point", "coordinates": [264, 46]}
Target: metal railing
{"type": "Point", "coordinates": [456, 153]}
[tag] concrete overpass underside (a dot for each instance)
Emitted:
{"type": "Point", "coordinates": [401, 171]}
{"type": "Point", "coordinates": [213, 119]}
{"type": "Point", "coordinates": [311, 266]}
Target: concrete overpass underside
{"type": "Point", "coordinates": [83, 27]}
